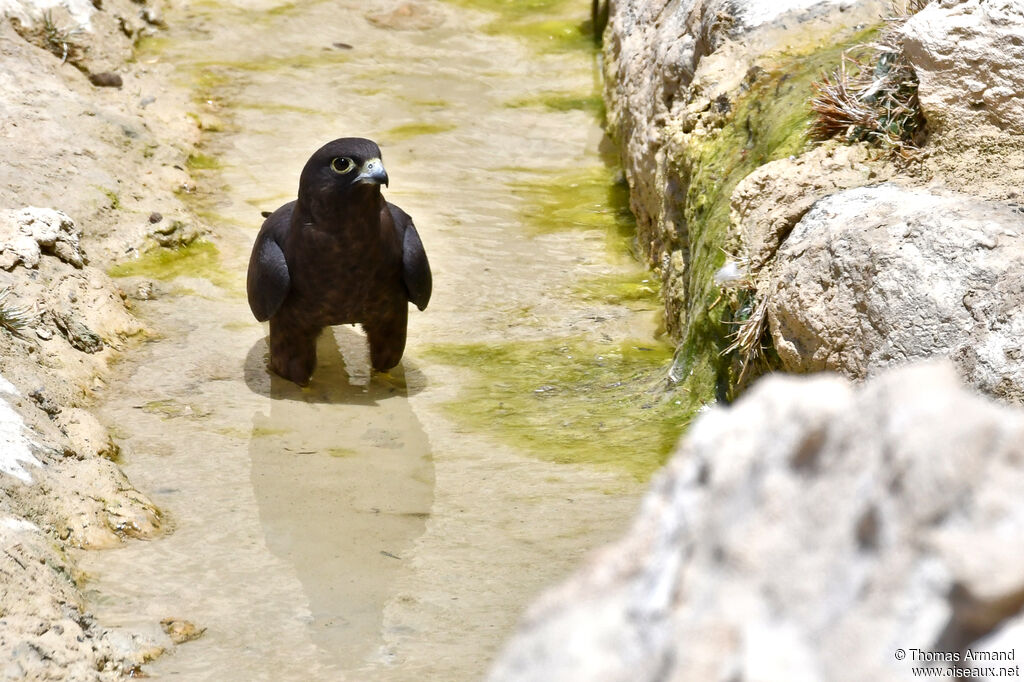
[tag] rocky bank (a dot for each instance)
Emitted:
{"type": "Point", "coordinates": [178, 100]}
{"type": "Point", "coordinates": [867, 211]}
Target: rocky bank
{"type": "Point", "coordinates": [817, 528]}
{"type": "Point", "coordinates": [95, 146]}
{"type": "Point", "coordinates": [708, 102]}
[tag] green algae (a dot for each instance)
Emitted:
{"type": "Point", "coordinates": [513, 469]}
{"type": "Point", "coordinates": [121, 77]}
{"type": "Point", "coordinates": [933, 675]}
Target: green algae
{"type": "Point", "coordinates": [207, 79]}
{"type": "Point", "coordinates": [212, 217]}
{"type": "Point", "coordinates": [284, 9]}
{"type": "Point", "coordinates": [591, 103]}
{"type": "Point", "coordinates": [411, 130]}
{"type": "Point", "coordinates": [171, 408]}
{"type": "Point", "coordinates": [198, 161]}
{"type": "Point", "coordinates": [368, 91]}
{"type": "Point", "coordinates": [266, 64]}
{"type": "Point", "coordinates": [266, 15]}
{"type": "Point", "coordinates": [768, 121]}
{"type": "Point", "coordinates": [552, 35]}
{"type": "Point", "coordinates": [198, 259]}
{"type": "Point", "coordinates": [271, 107]}
{"type": "Point", "coordinates": [587, 198]}
{"type": "Point", "coordinates": [517, 10]}
{"type": "Point", "coordinates": [548, 25]}
{"type": "Point", "coordinates": [620, 289]}
{"type": "Point", "coordinates": [112, 197]}
{"type": "Point", "coordinates": [267, 431]}
{"type": "Point", "coordinates": [151, 44]}
{"type": "Point", "coordinates": [427, 103]}
{"type": "Point", "coordinates": [570, 401]}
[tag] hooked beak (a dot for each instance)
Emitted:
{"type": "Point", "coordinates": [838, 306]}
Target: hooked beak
{"type": "Point", "coordinates": [372, 172]}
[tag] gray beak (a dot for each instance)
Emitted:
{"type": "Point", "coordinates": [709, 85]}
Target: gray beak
{"type": "Point", "coordinates": [372, 172]}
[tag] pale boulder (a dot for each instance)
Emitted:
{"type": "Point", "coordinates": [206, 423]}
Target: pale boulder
{"type": "Point", "coordinates": [969, 60]}
{"type": "Point", "coordinates": [877, 276]}
{"type": "Point", "coordinates": [807, 532]}
{"type": "Point", "coordinates": [27, 233]}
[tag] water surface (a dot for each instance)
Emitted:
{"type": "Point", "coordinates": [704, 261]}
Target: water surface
{"type": "Point", "coordinates": [374, 527]}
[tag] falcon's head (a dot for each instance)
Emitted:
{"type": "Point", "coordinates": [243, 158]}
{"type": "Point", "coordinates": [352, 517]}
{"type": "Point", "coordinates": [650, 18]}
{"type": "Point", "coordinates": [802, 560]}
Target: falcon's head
{"type": "Point", "coordinates": [343, 170]}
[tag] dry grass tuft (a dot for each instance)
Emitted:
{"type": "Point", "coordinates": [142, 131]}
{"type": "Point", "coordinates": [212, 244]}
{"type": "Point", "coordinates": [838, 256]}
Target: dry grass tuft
{"type": "Point", "coordinates": [50, 36]}
{"type": "Point", "coordinates": [59, 41]}
{"type": "Point", "coordinates": [749, 315]}
{"type": "Point", "coordinates": [748, 341]}
{"type": "Point", "coordinates": [872, 96]}
{"type": "Point", "coordinates": [14, 318]}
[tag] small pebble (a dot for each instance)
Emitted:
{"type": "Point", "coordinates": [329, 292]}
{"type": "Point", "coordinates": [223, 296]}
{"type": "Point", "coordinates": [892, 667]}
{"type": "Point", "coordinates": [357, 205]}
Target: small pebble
{"type": "Point", "coordinates": [155, 217]}
{"type": "Point", "coordinates": [106, 79]}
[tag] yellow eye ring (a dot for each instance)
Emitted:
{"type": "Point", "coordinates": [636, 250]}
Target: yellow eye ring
{"type": "Point", "coordinates": [342, 165]}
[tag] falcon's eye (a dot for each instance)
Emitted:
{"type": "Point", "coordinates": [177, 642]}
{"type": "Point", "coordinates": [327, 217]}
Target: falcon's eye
{"type": "Point", "coordinates": [342, 165]}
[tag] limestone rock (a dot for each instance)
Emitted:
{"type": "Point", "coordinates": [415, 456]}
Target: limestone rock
{"type": "Point", "coordinates": [48, 502]}
{"type": "Point", "coordinates": [96, 35]}
{"type": "Point", "coordinates": [969, 60]}
{"type": "Point", "coordinates": [88, 437]}
{"type": "Point", "coordinates": [872, 277]}
{"type": "Point", "coordinates": [17, 456]}
{"type": "Point", "coordinates": [47, 634]}
{"type": "Point", "coordinates": [804, 533]}
{"type": "Point", "coordinates": [27, 233]}
{"type": "Point", "coordinates": [175, 233]}
{"type": "Point", "coordinates": [79, 12]}
{"type": "Point", "coordinates": [769, 202]}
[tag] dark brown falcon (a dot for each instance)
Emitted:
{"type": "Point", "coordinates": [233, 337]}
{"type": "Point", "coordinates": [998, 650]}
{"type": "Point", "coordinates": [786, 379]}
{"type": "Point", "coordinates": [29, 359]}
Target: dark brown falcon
{"type": "Point", "coordinates": [339, 254]}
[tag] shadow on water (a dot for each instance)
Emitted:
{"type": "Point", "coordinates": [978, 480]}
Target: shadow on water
{"type": "Point", "coordinates": [344, 482]}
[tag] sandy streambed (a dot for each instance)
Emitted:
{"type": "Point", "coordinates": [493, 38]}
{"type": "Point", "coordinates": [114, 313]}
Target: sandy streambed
{"type": "Point", "coordinates": [385, 527]}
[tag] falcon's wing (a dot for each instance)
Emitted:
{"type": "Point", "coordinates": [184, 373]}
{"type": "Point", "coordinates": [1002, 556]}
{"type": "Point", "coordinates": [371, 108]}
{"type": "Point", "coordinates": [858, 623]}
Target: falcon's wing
{"type": "Point", "coordinates": [415, 268]}
{"type": "Point", "coordinates": [268, 280]}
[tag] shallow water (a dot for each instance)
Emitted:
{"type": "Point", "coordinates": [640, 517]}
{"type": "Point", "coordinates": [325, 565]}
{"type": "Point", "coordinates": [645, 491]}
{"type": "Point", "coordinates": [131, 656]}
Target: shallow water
{"type": "Point", "coordinates": [377, 527]}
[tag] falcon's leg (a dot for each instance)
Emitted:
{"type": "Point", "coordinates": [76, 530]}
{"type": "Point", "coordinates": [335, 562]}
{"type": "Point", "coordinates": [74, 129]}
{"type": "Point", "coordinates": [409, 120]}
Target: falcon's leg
{"type": "Point", "coordinates": [292, 351]}
{"type": "Point", "coordinates": [387, 340]}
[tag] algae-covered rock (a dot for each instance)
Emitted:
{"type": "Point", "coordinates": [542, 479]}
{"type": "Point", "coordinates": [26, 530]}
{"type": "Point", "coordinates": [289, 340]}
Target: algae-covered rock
{"type": "Point", "coordinates": [809, 532]}
{"type": "Point", "coordinates": [876, 276]}
{"type": "Point", "coordinates": [654, 51]}
{"type": "Point", "coordinates": [699, 95]}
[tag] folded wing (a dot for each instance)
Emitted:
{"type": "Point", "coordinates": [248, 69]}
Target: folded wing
{"type": "Point", "coordinates": [415, 267]}
{"type": "Point", "coordinates": [268, 280]}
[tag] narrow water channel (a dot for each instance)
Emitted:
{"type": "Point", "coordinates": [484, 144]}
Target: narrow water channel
{"type": "Point", "coordinates": [387, 527]}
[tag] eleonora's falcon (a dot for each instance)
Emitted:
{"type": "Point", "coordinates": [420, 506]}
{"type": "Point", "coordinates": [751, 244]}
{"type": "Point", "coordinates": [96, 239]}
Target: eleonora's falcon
{"type": "Point", "coordinates": [339, 254]}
